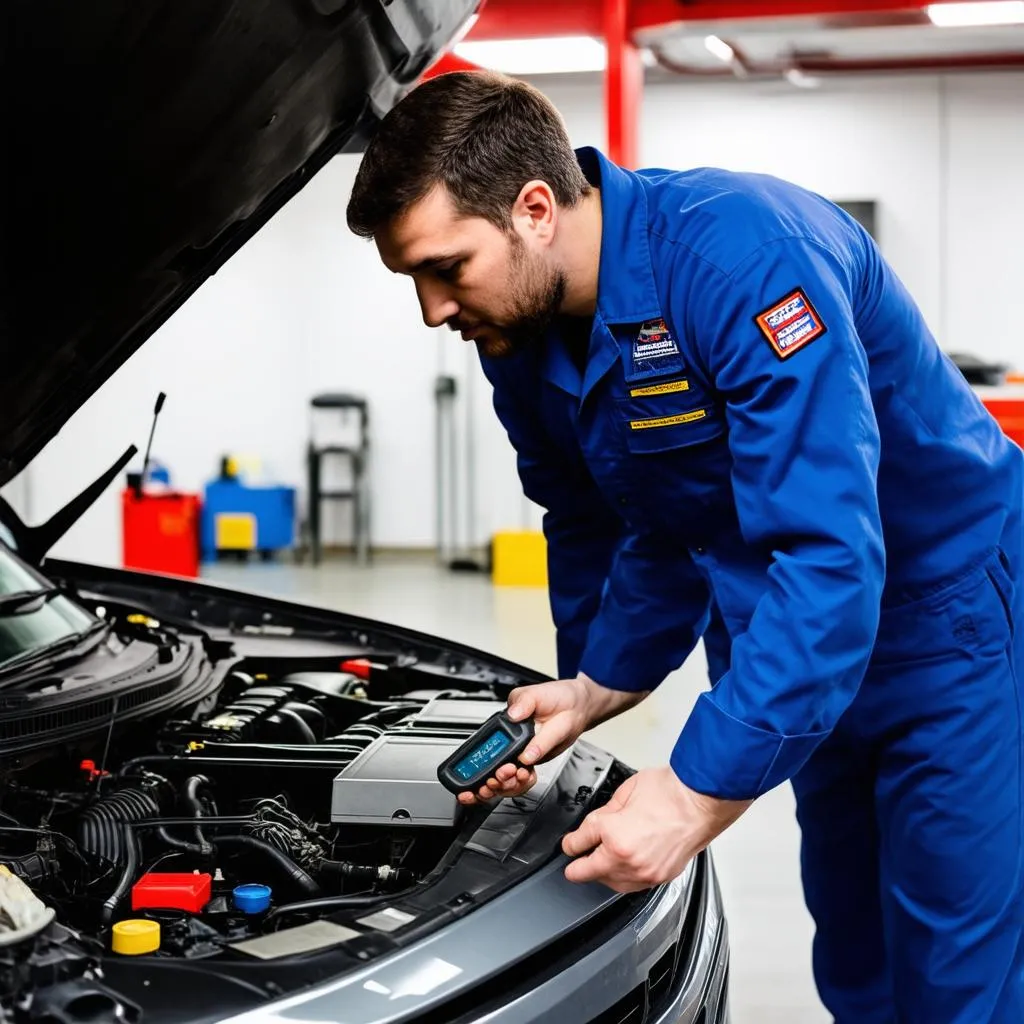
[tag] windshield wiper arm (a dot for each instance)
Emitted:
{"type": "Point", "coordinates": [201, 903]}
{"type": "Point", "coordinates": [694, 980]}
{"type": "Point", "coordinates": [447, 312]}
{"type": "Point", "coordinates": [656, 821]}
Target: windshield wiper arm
{"type": "Point", "coordinates": [46, 653]}
{"type": "Point", "coordinates": [11, 604]}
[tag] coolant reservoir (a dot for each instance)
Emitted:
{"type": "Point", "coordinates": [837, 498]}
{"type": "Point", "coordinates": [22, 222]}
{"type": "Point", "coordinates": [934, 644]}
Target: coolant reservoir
{"type": "Point", "coordinates": [22, 913]}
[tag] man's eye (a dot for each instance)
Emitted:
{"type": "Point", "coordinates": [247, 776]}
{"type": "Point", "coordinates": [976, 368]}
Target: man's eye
{"type": "Point", "coordinates": [449, 272]}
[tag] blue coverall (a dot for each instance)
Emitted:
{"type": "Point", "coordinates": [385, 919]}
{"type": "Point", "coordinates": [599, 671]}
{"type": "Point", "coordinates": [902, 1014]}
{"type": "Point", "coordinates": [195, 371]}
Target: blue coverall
{"type": "Point", "coordinates": [761, 414]}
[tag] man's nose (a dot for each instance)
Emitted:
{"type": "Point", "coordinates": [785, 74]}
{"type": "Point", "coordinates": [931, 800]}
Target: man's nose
{"type": "Point", "coordinates": [436, 304]}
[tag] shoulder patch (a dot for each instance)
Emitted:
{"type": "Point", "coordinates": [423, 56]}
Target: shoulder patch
{"type": "Point", "coordinates": [790, 324]}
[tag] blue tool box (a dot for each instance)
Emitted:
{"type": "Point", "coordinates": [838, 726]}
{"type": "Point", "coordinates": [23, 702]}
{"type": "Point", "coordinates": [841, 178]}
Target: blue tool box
{"type": "Point", "coordinates": [240, 518]}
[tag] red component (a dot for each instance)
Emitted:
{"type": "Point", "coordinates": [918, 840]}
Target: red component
{"type": "Point", "coordinates": [161, 533]}
{"type": "Point", "coordinates": [89, 765]}
{"type": "Point", "coordinates": [170, 890]}
{"type": "Point", "coordinates": [1009, 414]}
{"type": "Point", "coordinates": [360, 667]}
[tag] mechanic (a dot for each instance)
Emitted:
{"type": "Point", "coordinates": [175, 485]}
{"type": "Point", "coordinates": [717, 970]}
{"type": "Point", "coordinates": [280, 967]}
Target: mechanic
{"type": "Point", "coordinates": [717, 387]}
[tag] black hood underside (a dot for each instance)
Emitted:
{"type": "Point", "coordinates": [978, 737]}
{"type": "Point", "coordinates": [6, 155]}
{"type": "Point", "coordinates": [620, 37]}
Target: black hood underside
{"type": "Point", "coordinates": [145, 143]}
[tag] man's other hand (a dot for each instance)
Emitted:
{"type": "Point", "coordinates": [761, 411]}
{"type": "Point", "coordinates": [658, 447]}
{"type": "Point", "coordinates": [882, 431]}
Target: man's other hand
{"type": "Point", "coordinates": [647, 832]}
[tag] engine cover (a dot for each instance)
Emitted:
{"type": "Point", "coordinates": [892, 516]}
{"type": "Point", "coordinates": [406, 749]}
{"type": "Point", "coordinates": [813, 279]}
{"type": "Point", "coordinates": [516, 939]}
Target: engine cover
{"type": "Point", "coordinates": [394, 782]}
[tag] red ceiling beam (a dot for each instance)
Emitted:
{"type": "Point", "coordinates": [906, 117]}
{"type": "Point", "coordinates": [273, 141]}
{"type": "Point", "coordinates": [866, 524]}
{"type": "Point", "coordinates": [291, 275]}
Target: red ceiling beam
{"type": "Point", "coordinates": [526, 19]}
{"type": "Point", "coordinates": [652, 14]}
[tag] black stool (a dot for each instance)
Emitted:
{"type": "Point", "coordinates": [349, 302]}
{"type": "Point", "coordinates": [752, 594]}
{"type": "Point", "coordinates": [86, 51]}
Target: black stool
{"type": "Point", "coordinates": [358, 458]}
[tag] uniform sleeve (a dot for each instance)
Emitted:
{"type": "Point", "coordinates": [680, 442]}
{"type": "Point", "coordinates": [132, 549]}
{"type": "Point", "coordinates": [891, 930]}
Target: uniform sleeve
{"type": "Point", "coordinates": [779, 340]}
{"type": "Point", "coordinates": [654, 609]}
{"type": "Point", "coordinates": [581, 532]}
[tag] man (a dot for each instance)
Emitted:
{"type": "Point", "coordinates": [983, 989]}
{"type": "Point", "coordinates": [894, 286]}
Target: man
{"type": "Point", "coordinates": [717, 387]}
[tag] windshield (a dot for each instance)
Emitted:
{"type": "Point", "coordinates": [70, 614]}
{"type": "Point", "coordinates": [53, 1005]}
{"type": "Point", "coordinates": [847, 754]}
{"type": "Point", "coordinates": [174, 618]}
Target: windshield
{"type": "Point", "coordinates": [33, 626]}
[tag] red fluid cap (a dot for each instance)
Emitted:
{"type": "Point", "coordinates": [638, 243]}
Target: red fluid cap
{"type": "Point", "coordinates": [171, 890]}
{"type": "Point", "coordinates": [359, 667]}
{"type": "Point", "coordinates": [88, 765]}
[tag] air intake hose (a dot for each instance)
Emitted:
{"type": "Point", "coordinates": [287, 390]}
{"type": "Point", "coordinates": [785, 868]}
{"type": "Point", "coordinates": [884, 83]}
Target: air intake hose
{"type": "Point", "coordinates": [100, 827]}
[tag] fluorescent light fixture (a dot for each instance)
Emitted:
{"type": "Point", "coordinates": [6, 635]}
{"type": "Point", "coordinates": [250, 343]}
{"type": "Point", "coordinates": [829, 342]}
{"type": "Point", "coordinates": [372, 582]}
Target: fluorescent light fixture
{"type": "Point", "coordinates": [545, 55]}
{"type": "Point", "coordinates": [974, 15]}
{"type": "Point", "coordinates": [719, 48]}
{"type": "Point", "coordinates": [801, 80]}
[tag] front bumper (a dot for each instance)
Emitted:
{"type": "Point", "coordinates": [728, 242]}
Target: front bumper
{"type": "Point", "coordinates": [668, 964]}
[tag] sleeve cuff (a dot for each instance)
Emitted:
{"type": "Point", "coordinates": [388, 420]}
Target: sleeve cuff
{"type": "Point", "coordinates": [722, 757]}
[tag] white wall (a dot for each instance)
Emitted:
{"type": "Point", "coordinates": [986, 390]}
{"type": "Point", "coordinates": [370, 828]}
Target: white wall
{"type": "Point", "coordinates": [306, 307]}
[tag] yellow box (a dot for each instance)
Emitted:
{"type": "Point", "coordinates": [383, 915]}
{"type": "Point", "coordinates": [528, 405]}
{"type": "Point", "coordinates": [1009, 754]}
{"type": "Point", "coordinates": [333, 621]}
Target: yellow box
{"type": "Point", "coordinates": [235, 531]}
{"type": "Point", "coordinates": [520, 559]}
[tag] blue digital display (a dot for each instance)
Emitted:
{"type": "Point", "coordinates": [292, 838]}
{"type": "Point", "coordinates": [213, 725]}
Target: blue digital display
{"type": "Point", "coordinates": [484, 756]}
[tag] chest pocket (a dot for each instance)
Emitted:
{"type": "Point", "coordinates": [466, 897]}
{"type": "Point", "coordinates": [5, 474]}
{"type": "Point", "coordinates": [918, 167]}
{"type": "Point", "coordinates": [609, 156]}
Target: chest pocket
{"type": "Point", "coordinates": [667, 415]}
{"type": "Point", "coordinates": [677, 462]}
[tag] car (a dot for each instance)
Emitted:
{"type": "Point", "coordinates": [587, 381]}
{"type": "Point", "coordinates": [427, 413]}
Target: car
{"type": "Point", "coordinates": [217, 806]}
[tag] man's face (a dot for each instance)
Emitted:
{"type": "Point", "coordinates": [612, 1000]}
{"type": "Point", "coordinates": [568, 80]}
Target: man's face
{"type": "Point", "coordinates": [497, 288]}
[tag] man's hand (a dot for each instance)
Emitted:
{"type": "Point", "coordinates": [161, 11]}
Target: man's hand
{"type": "Point", "coordinates": [647, 833]}
{"type": "Point", "coordinates": [562, 710]}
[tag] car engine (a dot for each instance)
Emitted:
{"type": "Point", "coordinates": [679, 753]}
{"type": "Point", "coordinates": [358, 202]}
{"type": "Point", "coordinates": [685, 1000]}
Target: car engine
{"type": "Point", "coordinates": [285, 788]}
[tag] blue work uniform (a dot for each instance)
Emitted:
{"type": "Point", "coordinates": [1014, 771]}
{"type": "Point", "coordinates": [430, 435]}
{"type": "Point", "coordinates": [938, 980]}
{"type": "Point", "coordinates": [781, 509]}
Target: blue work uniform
{"type": "Point", "coordinates": [759, 414]}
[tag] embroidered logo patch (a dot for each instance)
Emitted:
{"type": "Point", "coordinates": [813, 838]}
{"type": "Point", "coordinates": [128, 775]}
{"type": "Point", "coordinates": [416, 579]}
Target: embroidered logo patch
{"type": "Point", "coordinates": [671, 387]}
{"type": "Point", "coordinates": [791, 324]}
{"type": "Point", "coordinates": [654, 349]}
{"type": "Point", "coordinates": [668, 421]}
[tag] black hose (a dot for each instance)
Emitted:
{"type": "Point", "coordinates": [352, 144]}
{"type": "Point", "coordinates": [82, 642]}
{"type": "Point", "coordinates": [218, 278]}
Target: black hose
{"type": "Point", "coordinates": [368, 874]}
{"type": "Point", "coordinates": [192, 787]}
{"type": "Point", "coordinates": [289, 870]}
{"type": "Point", "coordinates": [202, 850]}
{"type": "Point", "coordinates": [301, 724]}
{"type": "Point", "coordinates": [326, 903]}
{"type": "Point", "coordinates": [131, 865]}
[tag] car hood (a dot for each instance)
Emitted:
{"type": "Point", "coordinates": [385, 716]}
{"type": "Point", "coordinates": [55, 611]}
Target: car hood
{"type": "Point", "coordinates": [146, 143]}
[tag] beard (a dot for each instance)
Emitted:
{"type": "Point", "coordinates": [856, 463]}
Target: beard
{"type": "Point", "coordinates": [536, 293]}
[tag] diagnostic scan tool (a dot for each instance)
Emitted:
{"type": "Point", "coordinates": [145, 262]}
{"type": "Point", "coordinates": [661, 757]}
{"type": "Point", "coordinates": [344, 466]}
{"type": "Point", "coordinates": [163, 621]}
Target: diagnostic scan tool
{"type": "Point", "coordinates": [498, 741]}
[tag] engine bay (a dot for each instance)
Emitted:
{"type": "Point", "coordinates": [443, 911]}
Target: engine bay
{"type": "Point", "coordinates": [285, 802]}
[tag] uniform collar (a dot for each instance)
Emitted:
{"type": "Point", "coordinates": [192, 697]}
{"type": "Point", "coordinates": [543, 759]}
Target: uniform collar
{"type": "Point", "coordinates": [626, 293]}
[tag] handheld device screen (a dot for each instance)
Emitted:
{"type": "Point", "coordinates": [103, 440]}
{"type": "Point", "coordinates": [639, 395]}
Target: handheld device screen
{"type": "Point", "coordinates": [480, 758]}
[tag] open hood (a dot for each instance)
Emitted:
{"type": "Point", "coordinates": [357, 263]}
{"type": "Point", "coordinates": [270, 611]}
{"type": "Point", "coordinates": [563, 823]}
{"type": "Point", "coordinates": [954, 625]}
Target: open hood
{"type": "Point", "coordinates": [146, 143]}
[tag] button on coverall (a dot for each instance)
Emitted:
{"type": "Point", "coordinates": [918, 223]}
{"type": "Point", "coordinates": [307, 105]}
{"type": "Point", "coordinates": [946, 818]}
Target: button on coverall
{"type": "Point", "coordinates": [764, 418]}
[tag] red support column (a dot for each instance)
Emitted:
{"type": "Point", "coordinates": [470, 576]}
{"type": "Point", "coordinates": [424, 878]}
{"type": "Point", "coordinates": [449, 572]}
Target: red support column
{"type": "Point", "coordinates": [624, 83]}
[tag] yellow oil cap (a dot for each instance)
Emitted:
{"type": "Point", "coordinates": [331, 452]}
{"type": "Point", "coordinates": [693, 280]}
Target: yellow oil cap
{"type": "Point", "coordinates": [133, 938]}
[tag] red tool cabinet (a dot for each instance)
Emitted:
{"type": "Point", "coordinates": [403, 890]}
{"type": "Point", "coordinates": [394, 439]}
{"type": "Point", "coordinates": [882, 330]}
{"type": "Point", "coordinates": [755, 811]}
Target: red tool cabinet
{"type": "Point", "coordinates": [160, 532]}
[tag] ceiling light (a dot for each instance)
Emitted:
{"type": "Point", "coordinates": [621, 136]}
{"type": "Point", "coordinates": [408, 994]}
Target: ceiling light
{"type": "Point", "coordinates": [971, 15]}
{"type": "Point", "coordinates": [548, 55]}
{"type": "Point", "coordinates": [801, 79]}
{"type": "Point", "coordinates": [720, 49]}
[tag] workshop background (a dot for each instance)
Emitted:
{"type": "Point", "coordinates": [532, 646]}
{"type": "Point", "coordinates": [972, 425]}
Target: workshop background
{"type": "Point", "coordinates": [875, 103]}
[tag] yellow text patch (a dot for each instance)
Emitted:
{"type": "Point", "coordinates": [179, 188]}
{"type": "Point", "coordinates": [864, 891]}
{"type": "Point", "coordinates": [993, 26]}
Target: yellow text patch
{"type": "Point", "coordinates": [671, 388]}
{"type": "Point", "coordinates": [668, 421]}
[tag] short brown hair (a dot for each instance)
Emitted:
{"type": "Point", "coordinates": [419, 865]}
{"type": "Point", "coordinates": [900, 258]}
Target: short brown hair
{"type": "Point", "coordinates": [479, 134]}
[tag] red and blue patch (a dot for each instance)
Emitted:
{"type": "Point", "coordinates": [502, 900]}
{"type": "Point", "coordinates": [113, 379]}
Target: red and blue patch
{"type": "Point", "coordinates": [791, 324]}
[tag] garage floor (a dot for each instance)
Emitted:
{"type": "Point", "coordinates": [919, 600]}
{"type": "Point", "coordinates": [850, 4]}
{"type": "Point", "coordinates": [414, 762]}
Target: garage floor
{"type": "Point", "coordinates": [758, 859]}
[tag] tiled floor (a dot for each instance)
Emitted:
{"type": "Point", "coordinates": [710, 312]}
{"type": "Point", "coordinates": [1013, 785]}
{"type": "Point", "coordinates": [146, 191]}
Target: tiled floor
{"type": "Point", "coordinates": [758, 859]}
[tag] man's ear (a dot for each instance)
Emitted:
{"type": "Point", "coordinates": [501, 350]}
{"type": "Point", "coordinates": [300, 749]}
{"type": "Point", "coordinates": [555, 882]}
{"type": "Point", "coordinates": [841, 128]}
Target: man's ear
{"type": "Point", "coordinates": [535, 211]}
